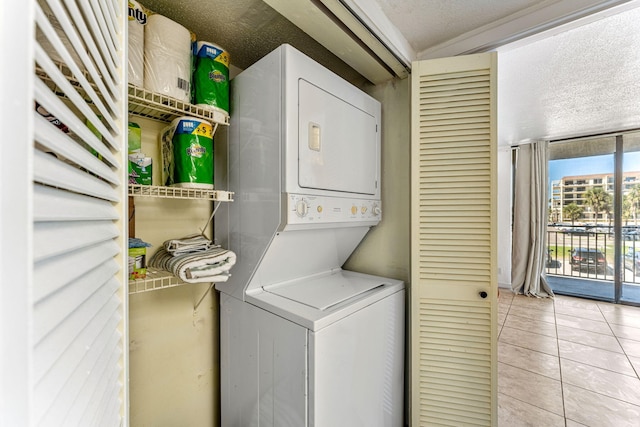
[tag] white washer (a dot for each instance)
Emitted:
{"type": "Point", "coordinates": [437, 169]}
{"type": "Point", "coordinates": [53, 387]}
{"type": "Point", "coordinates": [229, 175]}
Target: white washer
{"type": "Point", "coordinates": [303, 342]}
{"type": "Point", "coordinates": [287, 362]}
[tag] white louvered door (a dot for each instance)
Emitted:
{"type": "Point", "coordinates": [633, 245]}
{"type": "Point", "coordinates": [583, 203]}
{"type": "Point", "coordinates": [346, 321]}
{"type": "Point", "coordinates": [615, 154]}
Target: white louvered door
{"type": "Point", "coordinates": [453, 246]}
{"type": "Point", "coordinates": [76, 283]}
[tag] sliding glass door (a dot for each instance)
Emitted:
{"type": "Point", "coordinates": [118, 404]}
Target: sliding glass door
{"type": "Point", "coordinates": [629, 242]}
{"type": "Point", "coordinates": [594, 218]}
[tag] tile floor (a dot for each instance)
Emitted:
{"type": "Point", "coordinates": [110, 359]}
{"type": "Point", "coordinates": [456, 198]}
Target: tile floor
{"type": "Point", "coordinates": [567, 362]}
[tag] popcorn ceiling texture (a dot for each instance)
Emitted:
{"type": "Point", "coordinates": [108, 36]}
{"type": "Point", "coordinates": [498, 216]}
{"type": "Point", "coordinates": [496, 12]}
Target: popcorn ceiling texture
{"type": "Point", "coordinates": [248, 30]}
{"type": "Point", "coordinates": [426, 23]}
{"type": "Point", "coordinates": [580, 82]}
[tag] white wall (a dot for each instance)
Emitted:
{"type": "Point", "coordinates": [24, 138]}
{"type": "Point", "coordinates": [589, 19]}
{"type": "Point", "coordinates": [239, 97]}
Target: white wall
{"type": "Point", "coordinates": [504, 216]}
{"type": "Point", "coordinates": [173, 348]}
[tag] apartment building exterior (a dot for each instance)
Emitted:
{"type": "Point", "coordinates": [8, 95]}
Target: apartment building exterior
{"type": "Point", "coordinates": [572, 189]}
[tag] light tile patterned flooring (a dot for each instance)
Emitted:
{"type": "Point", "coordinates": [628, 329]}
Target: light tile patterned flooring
{"type": "Point", "coordinates": [567, 362]}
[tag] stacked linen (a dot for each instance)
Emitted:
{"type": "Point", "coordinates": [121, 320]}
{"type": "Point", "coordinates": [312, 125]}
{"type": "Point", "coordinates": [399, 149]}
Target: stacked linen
{"type": "Point", "coordinates": [189, 244]}
{"type": "Point", "coordinates": [194, 260]}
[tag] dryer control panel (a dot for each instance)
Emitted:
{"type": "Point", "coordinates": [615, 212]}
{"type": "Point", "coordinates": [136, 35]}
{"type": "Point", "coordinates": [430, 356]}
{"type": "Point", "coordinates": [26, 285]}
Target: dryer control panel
{"type": "Point", "coordinates": [304, 209]}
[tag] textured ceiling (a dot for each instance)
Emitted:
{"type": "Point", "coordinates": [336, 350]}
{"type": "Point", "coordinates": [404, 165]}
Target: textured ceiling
{"type": "Point", "coordinates": [426, 23]}
{"type": "Point", "coordinates": [584, 81]}
{"type": "Point", "coordinates": [248, 30]}
{"type": "Point", "coordinates": [576, 82]}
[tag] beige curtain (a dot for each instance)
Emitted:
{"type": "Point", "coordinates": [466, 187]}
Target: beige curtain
{"type": "Point", "coordinates": [529, 251]}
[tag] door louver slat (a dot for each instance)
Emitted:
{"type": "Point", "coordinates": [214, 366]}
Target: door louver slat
{"type": "Point", "coordinates": [55, 173]}
{"type": "Point", "coordinates": [55, 238]}
{"type": "Point", "coordinates": [51, 141]}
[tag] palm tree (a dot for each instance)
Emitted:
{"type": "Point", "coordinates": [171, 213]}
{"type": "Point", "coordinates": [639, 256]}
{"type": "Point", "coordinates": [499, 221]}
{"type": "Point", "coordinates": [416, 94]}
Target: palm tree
{"type": "Point", "coordinates": [572, 211]}
{"type": "Point", "coordinates": [633, 197]}
{"type": "Point", "coordinates": [599, 200]}
{"type": "Point", "coordinates": [626, 209]}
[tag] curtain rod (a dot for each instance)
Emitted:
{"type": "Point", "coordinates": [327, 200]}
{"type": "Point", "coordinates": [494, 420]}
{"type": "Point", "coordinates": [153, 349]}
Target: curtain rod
{"type": "Point", "coordinates": [577, 138]}
{"type": "Point", "coordinates": [596, 135]}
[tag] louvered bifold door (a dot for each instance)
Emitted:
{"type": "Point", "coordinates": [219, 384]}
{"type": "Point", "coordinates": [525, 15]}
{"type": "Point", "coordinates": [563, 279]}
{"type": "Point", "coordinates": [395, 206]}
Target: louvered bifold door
{"type": "Point", "coordinates": [453, 278]}
{"type": "Point", "coordinates": [79, 222]}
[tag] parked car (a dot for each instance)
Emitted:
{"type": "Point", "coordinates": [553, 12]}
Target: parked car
{"type": "Point", "coordinates": [632, 261]}
{"type": "Point", "coordinates": [588, 259]}
{"type": "Point", "coordinates": [579, 231]}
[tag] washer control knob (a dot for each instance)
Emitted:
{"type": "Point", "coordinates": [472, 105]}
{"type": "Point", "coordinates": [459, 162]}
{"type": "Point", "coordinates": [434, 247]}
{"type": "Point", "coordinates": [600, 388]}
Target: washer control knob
{"type": "Point", "coordinates": [376, 210]}
{"type": "Point", "coordinates": [302, 208]}
{"type": "Point", "coordinates": [354, 210]}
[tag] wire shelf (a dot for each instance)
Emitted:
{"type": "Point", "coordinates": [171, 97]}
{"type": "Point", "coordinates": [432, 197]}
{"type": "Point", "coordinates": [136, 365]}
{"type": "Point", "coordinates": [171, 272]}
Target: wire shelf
{"type": "Point", "coordinates": [142, 102]}
{"type": "Point", "coordinates": [179, 193]}
{"type": "Point", "coordinates": [160, 107]}
{"type": "Point", "coordinates": [156, 279]}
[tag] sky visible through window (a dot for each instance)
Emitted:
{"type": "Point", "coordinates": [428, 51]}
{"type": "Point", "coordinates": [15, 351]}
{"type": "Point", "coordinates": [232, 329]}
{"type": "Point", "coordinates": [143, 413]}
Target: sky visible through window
{"type": "Point", "coordinates": [591, 165]}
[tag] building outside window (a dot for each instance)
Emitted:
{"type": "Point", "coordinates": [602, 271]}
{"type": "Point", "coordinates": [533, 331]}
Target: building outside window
{"type": "Point", "coordinates": [566, 191]}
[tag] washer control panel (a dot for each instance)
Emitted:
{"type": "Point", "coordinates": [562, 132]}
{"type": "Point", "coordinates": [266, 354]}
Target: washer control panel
{"type": "Point", "coordinates": [308, 209]}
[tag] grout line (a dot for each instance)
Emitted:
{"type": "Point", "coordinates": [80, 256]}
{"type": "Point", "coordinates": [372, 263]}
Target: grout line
{"type": "Point", "coordinates": [531, 404]}
{"type": "Point", "coordinates": [531, 372]}
{"type": "Point", "coordinates": [633, 367]}
{"type": "Point", "coordinates": [560, 359]}
{"type": "Point", "coordinates": [564, 406]}
{"type": "Point", "coordinates": [626, 402]}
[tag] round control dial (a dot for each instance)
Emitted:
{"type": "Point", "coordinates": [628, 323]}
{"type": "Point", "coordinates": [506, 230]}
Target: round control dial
{"type": "Point", "coordinates": [302, 208]}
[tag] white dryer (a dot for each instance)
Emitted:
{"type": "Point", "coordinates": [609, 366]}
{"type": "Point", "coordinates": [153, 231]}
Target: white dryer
{"type": "Point", "coordinates": [303, 342]}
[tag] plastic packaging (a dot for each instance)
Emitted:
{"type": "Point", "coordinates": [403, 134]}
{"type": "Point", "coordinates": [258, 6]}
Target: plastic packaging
{"type": "Point", "coordinates": [140, 169]}
{"type": "Point", "coordinates": [135, 37]}
{"type": "Point", "coordinates": [211, 77]}
{"type": "Point", "coordinates": [186, 148]}
{"type": "Point", "coordinates": [167, 55]}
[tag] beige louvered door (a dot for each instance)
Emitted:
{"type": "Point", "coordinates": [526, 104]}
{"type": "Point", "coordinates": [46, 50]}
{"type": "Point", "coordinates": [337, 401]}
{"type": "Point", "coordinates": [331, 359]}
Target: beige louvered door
{"type": "Point", "coordinates": [453, 232]}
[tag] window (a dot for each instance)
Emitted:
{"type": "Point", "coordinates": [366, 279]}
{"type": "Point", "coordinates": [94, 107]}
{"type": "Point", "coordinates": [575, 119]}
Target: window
{"type": "Point", "coordinates": [591, 166]}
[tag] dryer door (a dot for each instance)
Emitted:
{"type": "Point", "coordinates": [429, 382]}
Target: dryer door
{"type": "Point", "coordinates": [338, 148]}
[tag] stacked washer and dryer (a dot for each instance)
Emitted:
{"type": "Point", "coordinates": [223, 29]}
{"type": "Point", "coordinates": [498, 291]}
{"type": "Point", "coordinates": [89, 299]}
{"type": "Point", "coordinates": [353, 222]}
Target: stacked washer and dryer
{"type": "Point", "coordinates": [304, 342]}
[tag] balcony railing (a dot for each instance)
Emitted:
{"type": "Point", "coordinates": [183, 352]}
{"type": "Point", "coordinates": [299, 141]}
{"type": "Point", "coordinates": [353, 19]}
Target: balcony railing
{"type": "Point", "coordinates": [588, 253]}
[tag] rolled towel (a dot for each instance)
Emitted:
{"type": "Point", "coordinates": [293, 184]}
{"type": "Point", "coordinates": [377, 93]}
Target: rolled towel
{"type": "Point", "coordinates": [212, 265]}
{"type": "Point", "coordinates": [187, 245]}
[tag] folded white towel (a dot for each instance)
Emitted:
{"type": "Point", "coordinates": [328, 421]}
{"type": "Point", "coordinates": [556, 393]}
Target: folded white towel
{"type": "Point", "coordinates": [189, 244]}
{"type": "Point", "coordinates": [212, 265]}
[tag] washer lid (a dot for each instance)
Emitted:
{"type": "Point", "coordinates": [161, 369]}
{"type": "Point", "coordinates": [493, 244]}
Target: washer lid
{"type": "Point", "coordinates": [324, 292]}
